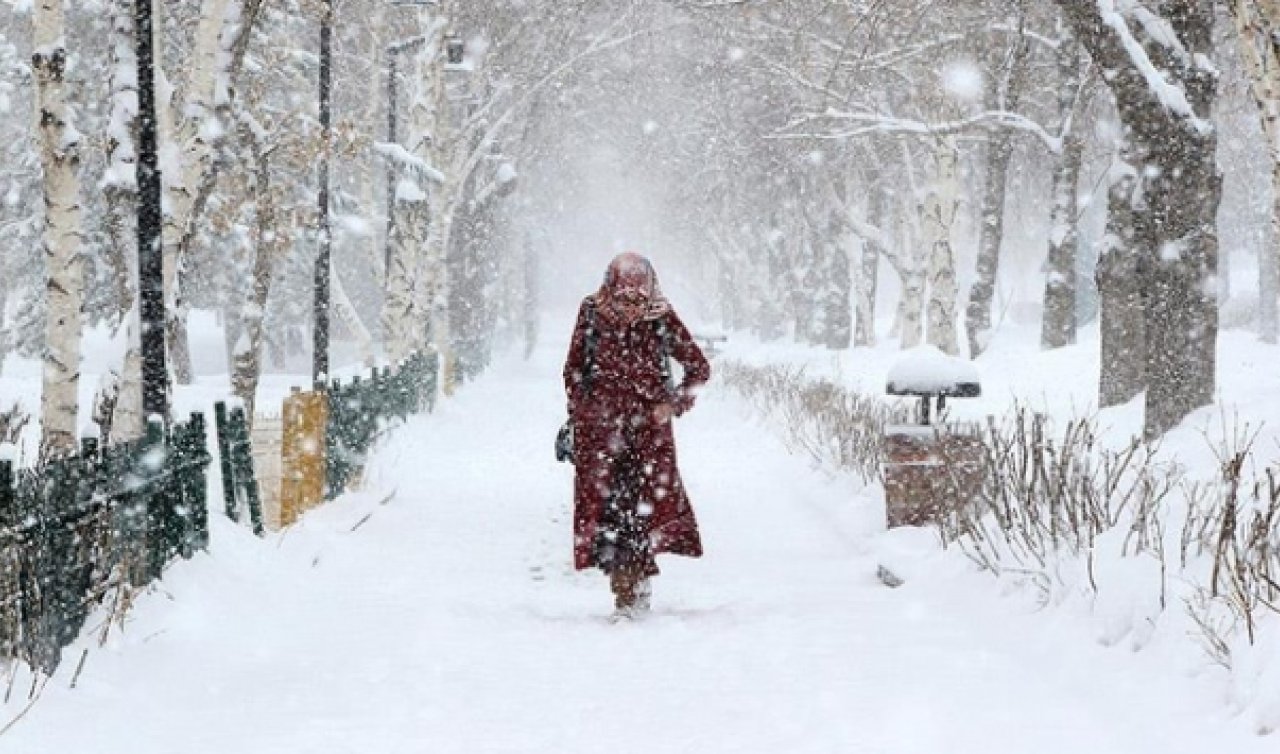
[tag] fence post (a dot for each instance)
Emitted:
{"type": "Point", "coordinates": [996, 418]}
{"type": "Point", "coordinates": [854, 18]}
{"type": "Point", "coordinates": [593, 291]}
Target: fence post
{"type": "Point", "coordinates": [303, 479]}
{"type": "Point", "coordinates": [195, 459]}
{"type": "Point", "coordinates": [224, 460]}
{"type": "Point", "coordinates": [7, 513]}
{"type": "Point", "coordinates": [241, 452]}
{"type": "Point", "coordinates": [151, 467]}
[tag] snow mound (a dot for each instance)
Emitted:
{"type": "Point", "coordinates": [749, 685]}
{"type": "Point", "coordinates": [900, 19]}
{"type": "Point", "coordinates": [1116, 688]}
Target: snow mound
{"type": "Point", "coordinates": [927, 370]}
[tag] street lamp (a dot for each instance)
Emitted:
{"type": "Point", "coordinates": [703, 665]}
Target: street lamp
{"type": "Point", "coordinates": [320, 347]}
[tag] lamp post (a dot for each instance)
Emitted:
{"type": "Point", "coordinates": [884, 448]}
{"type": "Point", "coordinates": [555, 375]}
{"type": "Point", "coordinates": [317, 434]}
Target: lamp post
{"type": "Point", "coordinates": [155, 375]}
{"type": "Point", "coordinates": [320, 353]}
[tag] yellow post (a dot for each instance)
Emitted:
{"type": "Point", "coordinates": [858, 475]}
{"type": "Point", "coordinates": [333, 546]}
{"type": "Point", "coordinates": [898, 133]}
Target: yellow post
{"type": "Point", "coordinates": [448, 372]}
{"type": "Point", "coordinates": [303, 452]}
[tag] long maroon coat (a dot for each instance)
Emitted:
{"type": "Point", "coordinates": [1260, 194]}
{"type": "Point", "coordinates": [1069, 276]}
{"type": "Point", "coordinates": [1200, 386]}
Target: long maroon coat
{"type": "Point", "coordinates": [612, 419]}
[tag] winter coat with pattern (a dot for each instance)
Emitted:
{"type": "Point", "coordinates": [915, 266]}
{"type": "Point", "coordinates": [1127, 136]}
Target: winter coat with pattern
{"type": "Point", "coordinates": [612, 415]}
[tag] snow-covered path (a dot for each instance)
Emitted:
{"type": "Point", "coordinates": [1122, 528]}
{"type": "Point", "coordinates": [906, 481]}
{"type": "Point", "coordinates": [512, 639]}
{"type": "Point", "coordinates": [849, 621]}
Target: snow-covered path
{"type": "Point", "coordinates": [448, 619]}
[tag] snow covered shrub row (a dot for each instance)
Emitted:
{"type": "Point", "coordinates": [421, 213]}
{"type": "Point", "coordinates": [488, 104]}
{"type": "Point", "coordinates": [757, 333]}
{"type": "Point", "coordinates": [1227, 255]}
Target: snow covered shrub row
{"type": "Point", "coordinates": [1150, 550]}
{"type": "Point", "coordinates": [1067, 514]}
{"type": "Point", "coordinates": [835, 426]}
{"type": "Point", "coordinates": [1121, 530]}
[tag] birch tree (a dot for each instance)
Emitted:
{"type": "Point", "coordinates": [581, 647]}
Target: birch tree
{"type": "Point", "coordinates": [1003, 90]}
{"type": "Point", "coordinates": [59, 147]}
{"type": "Point", "coordinates": [1257, 25]}
{"type": "Point", "coordinates": [941, 203]}
{"type": "Point", "coordinates": [120, 188]}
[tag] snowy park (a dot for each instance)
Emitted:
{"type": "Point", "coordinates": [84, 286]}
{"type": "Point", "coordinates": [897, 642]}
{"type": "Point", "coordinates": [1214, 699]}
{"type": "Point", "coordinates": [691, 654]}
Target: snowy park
{"type": "Point", "coordinates": [412, 376]}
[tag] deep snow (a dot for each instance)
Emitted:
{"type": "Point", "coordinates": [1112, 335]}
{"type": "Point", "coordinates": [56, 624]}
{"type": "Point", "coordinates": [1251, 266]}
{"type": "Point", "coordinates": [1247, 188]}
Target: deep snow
{"type": "Point", "coordinates": [446, 617]}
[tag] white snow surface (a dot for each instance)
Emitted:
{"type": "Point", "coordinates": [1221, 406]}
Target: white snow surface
{"type": "Point", "coordinates": [436, 610]}
{"type": "Point", "coordinates": [926, 369]}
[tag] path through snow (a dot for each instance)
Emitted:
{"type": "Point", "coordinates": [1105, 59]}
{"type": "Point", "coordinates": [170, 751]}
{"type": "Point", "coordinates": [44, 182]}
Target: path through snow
{"type": "Point", "coordinates": [451, 621]}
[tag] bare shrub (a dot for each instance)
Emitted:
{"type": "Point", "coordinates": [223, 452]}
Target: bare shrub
{"type": "Point", "coordinates": [835, 426]}
{"type": "Point", "coordinates": [1047, 492]}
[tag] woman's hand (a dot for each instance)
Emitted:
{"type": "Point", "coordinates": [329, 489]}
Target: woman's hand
{"type": "Point", "coordinates": [663, 412]}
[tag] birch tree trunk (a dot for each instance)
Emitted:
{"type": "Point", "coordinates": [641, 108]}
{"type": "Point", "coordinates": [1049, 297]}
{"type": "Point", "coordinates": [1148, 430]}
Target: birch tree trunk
{"type": "Point", "coordinates": [269, 247]}
{"type": "Point", "coordinates": [59, 153]}
{"type": "Point", "coordinates": [869, 272]}
{"type": "Point", "coordinates": [415, 279]}
{"type": "Point", "coordinates": [402, 324]}
{"type": "Point", "coordinates": [1257, 25]}
{"type": "Point", "coordinates": [941, 204]}
{"type": "Point", "coordinates": [913, 249]}
{"type": "Point", "coordinates": [192, 112]}
{"type": "Point", "coordinates": [995, 188]}
{"type": "Point", "coordinates": [120, 187]}
{"type": "Point", "coordinates": [1058, 327]}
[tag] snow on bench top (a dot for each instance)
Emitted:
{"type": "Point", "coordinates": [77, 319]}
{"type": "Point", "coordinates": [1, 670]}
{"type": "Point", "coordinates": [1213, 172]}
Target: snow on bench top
{"type": "Point", "coordinates": [927, 370]}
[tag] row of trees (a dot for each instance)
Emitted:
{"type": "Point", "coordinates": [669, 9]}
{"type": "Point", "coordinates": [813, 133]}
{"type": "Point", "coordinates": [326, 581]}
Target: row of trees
{"type": "Point", "coordinates": [430, 104]}
{"type": "Point", "coordinates": [805, 144]}
{"type": "Point", "coordinates": [904, 133]}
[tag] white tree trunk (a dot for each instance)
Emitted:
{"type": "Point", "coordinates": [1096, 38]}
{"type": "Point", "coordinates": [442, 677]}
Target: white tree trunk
{"type": "Point", "coordinates": [868, 270]}
{"type": "Point", "coordinates": [121, 188]}
{"type": "Point", "coordinates": [417, 285]}
{"type": "Point", "coordinates": [191, 115]}
{"type": "Point", "coordinates": [59, 145]}
{"type": "Point", "coordinates": [910, 317]}
{"type": "Point", "coordinates": [941, 203]}
{"type": "Point", "coordinates": [401, 320]}
{"type": "Point", "coordinates": [269, 245]}
{"type": "Point", "coordinates": [1257, 23]}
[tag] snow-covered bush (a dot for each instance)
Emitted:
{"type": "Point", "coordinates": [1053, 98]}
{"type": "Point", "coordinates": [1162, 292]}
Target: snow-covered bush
{"type": "Point", "coordinates": [1137, 541]}
{"type": "Point", "coordinates": [833, 425]}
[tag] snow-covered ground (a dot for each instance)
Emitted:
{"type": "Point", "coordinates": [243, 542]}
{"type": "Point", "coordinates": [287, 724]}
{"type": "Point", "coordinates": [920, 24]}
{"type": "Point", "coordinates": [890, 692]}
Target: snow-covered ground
{"type": "Point", "coordinates": [436, 611]}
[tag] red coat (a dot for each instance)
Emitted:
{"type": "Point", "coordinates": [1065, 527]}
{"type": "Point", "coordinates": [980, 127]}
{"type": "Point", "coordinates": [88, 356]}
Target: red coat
{"type": "Point", "coordinates": [613, 419]}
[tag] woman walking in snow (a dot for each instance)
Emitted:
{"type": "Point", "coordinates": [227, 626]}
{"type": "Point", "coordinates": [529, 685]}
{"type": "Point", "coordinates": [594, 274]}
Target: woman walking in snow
{"type": "Point", "coordinates": [629, 502]}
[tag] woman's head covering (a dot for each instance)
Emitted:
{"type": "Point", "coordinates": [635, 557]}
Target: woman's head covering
{"type": "Point", "coordinates": [631, 274]}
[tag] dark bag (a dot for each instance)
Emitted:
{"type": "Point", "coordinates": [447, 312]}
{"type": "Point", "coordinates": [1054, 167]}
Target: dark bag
{"type": "Point", "coordinates": [564, 438]}
{"type": "Point", "coordinates": [564, 443]}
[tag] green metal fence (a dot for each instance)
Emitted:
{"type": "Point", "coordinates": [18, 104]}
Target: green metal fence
{"type": "Point", "coordinates": [235, 456]}
{"type": "Point", "coordinates": [75, 527]}
{"type": "Point", "coordinates": [359, 408]}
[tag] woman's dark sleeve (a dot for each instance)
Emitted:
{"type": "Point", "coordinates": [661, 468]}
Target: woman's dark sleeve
{"type": "Point", "coordinates": [575, 364]}
{"type": "Point", "coordinates": [697, 370]}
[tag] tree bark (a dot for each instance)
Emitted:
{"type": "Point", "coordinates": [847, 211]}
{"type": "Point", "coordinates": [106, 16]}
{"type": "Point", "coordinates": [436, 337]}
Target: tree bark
{"type": "Point", "coordinates": [941, 204]}
{"type": "Point", "coordinates": [1122, 368]}
{"type": "Point", "coordinates": [120, 187]}
{"type": "Point", "coordinates": [1171, 141]}
{"type": "Point", "coordinates": [1257, 25]}
{"type": "Point", "coordinates": [1058, 327]}
{"type": "Point", "coordinates": [868, 271]}
{"type": "Point", "coordinates": [59, 151]}
{"type": "Point", "coordinates": [995, 189]}
{"type": "Point", "coordinates": [190, 112]}
{"type": "Point", "coordinates": [269, 247]}
{"type": "Point", "coordinates": [909, 318]}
